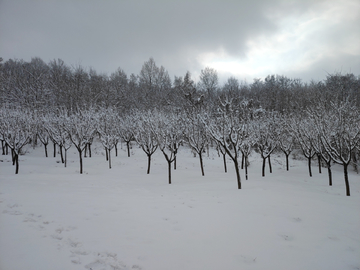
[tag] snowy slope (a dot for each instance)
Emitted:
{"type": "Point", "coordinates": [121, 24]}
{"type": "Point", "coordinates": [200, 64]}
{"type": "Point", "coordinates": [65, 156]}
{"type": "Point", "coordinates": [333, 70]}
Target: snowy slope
{"type": "Point", "coordinates": [52, 217]}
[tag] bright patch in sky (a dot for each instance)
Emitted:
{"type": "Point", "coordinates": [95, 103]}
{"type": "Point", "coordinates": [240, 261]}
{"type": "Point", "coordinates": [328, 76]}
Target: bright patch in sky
{"type": "Point", "coordinates": [299, 44]}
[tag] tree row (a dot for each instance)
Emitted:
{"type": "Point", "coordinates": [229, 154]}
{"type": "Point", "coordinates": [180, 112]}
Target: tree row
{"type": "Point", "coordinates": [329, 132]}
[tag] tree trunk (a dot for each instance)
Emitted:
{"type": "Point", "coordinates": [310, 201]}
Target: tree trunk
{"type": "Point", "coordinates": [17, 163]}
{"type": "Point", "coordinates": [319, 162]}
{"type": "Point", "coordinates": [201, 163]}
{"type": "Point", "coordinates": [263, 167]}
{"type": "Point", "coordinates": [109, 158]}
{"type": "Point", "coordinates": [175, 163]}
{"type": "Point", "coordinates": [287, 161]}
{"type": "Point", "coordinates": [242, 160]}
{"type": "Point", "coordinates": [149, 162]}
{"type": "Point", "coordinates": [46, 152]}
{"type": "Point", "coordinates": [169, 171]}
{"type": "Point", "coordinates": [236, 163]}
{"type": "Point", "coordinates": [270, 167]}
{"type": "Point", "coordinates": [224, 158]}
{"type": "Point", "coordinates": [116, 150]}
{"type": "Point", "coordinates": [61, 155]}
{"type": "Point", "coordinates": [81, 161]}
{"type": "Point", "coordinates": [3, 147]}
{"type": "Point", "coordinates": [106, 154]}
{"type": "Point", "coordinates": [13, 157]}
{"type": "Point", "coordinates": [128, 148]}
{"type": "Point", "coordinates": [246, 167]}
{"type": "Point", "coordinates": [85, 151]}
{"type": "Point", "coordinates": [309, 165]}
{"type": "Point", "coordinates": [89, 145]}
{"type": "Point", "coordinates": [65, 157]}
{"type": "Point", "coordinates": [54, 149]}
{"type": "Point", "coordinates": [329, 172]}
{"type": "Point", "coordinates": [346, 180]}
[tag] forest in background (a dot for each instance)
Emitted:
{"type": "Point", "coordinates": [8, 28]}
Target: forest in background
{"type": "Point", "coordinates": [42, 86]}
{"type": "Point", "coordinates": [70, 106]}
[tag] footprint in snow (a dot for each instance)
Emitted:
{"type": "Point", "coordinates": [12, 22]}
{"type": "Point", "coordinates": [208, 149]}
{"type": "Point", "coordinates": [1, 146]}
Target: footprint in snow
{"type": "Point", "coordinates": [286, 237]}
{"type": "Point", "coordinates": [13, 205]}
{"type": "Point", "coordinates": [106, 261]}
{"type": "Point", "coordinates": [57, 236]}
{"type": "Point", "coordinates": [73, 243]}
{"type": "Point", "coordinates": [247, 259]}
{"type": "Point", "coordinates": [29, 219]}
{"type": "Point", "coordinates": [76, 261]}
{"type": "Point", "coordinates": [334, 238]}
{"type": "Point", "coordinates": [12, 212]}
{"type": "Point", "coordinates": [79, 252]}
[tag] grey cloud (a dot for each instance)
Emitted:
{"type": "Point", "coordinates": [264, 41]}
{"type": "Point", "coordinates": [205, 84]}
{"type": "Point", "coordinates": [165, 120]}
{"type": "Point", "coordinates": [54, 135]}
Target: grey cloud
{"type": "Point", "coordinates": [124, 33]}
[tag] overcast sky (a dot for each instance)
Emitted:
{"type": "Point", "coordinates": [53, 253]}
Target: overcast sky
{"type": "Point", "coordinates": [246, 39]}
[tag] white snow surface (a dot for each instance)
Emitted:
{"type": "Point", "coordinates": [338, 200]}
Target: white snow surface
{"type": "Point", "coordinates": [53, 218]}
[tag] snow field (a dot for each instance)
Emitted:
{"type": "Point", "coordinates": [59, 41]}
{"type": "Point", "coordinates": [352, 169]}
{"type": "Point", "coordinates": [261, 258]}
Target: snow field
{"type": "Point", "coordinates": [52, 217]}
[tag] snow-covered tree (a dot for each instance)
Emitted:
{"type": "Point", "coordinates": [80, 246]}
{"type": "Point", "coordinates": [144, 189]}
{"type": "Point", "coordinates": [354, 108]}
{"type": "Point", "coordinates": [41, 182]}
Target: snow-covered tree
{"type": "Point", "coordinates": [145, 135]}
{"type": "Point", "coordinates": [248, 142]}
{"type": "Point", "coordinates": [125, 129]}
{"type": "Point", "coordinates": [16, 130]}
{"type": "Point", "coordinates": [43, 134]}
{"type": "Point", "coordinates": [56, 127]}
{"type": "Point", "coordinates": [221, 150]}
{"type": "Point", "coordinates": [81, 130]}
{"type": "Point", "coordinates": [106, 127]}
{"type": "Point", "coordinates": [169, 131]}
{"type": "Point", "coordinates": [228, 130]}
{"type": "Point", "coordinates": [285, 139]}
{"type": "Point", "coordinates": [304, 133]}
{"type": "Point", "coordinates": [266, 130]}
{"type": "Point", "coordinates": [196, 136]}
{"type": "Point", "coordinates": [340, 134]}
{"type": "Point", "coordinates": [320, 151]}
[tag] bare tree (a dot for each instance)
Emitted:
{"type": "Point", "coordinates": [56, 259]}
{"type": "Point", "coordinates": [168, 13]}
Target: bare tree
{"type": "Point", "coordinates": [155, 84]}
{"type": "Point", "coordinates": [118, 93]}
{"type": "Point", "coordinates": [209, 81]}
{"type": "Point", "coordinates": [60, 83]}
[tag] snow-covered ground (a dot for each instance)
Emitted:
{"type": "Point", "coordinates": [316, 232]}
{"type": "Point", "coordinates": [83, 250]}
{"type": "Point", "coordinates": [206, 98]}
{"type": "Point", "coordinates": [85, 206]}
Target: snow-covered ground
{"type": "Point", "coordinates": [53, 218]}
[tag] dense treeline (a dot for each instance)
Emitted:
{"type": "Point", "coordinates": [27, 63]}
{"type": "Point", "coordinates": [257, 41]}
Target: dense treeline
{"type": "Point", "coordinates": [37, 85]}
{"type": "Point", "coordinates": [72, 106]}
